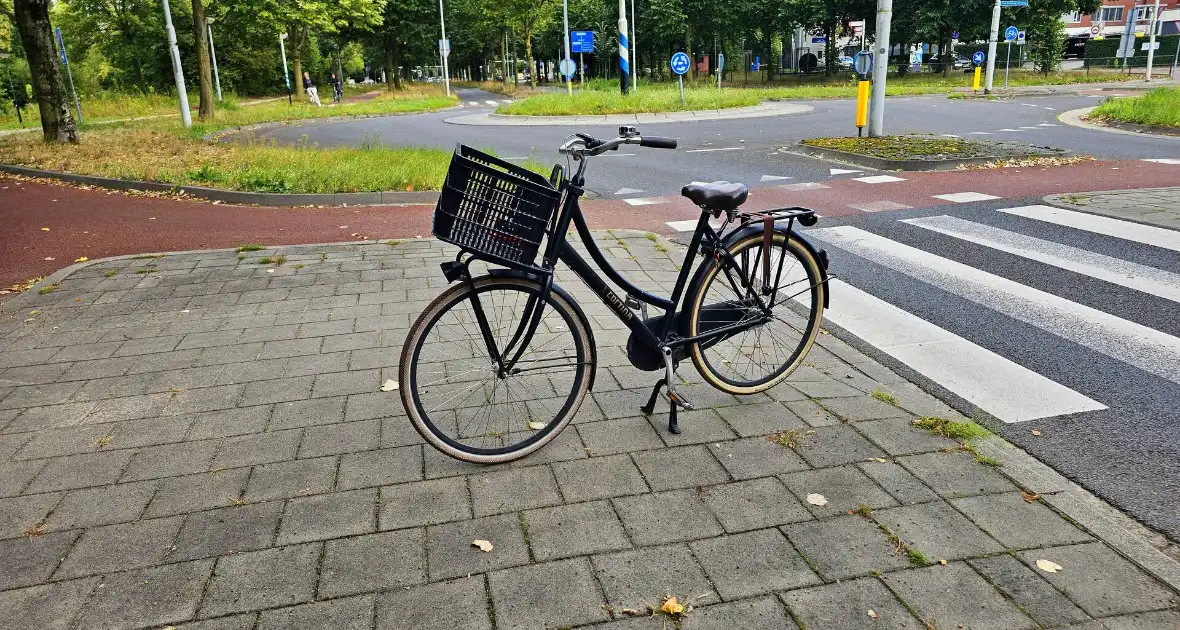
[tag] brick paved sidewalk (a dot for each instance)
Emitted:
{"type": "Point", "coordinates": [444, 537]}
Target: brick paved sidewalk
{"type": "Point", "coordinates": [199, 441]}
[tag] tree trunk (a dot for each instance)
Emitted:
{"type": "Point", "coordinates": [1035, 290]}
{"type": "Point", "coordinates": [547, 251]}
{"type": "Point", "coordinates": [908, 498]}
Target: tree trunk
{"type": "Point", "coordinates": [948, 55]}
{"type": "Point", "coordinates": [204, 66]}
{"type": "Point", "coordinates": [32, 20]}
{"type": "Point", "coordinates": [396, 61]}
{"type": "Point", "coordinates": [388, 42]}
{"type": "Point", "coordinates": [296, 36]}
{"type": "Point", "coordinates": [528, 53]}
{"type": "Point", "coordinates": [504, 57]}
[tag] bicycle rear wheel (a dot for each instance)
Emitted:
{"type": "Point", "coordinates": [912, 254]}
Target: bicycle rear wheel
{"type": "Point", "coordinates": [453, 390]}
{"type": "Point", "coordinates": [765, 352]}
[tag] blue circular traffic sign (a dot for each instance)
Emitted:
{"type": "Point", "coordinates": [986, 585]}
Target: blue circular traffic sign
{"type": "Point", "coordinates": [680, 63]}
{"type": "Point", "coordinates": [862, 63]}
{"type": "Point", "coordinates": [1010, 33]}
{"type": "Point", "coordinates": [978, 57]}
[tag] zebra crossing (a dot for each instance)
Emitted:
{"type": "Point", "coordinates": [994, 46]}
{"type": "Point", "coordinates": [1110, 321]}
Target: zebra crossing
{"type": "Point", "coordinates": [1015, 310]}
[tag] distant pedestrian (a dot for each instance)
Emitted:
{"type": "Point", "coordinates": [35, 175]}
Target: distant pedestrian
{"type": "Point", "coordinates": [337, 91]}
{"type": "Point", "coordinates": [312, 93]}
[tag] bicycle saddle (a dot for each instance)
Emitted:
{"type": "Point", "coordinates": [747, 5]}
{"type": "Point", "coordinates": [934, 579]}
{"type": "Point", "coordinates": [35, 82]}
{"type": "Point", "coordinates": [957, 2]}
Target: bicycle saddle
{"type": "Point", "coordinates": [717, 195]}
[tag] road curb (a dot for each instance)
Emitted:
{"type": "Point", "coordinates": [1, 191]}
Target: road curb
{"type": "Point", "coordinates": [1074, 117]}
{"type": "Point", "coordinates": [388, 198]}
{"type": "Point", "coordinates": [767, 109]}
{"type": "Point", "coordinates": [883, 164]}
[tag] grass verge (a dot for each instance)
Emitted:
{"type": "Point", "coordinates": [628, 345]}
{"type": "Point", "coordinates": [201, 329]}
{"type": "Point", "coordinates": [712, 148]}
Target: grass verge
{"type": "Point", "coordinates": [921, 147]}
{"type": "Point", "coordinates": [1158, 108]}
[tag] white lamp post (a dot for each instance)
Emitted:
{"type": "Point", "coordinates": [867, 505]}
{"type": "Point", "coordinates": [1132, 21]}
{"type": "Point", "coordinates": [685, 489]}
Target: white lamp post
{"type": "Point", "coordinates": [213, 55]}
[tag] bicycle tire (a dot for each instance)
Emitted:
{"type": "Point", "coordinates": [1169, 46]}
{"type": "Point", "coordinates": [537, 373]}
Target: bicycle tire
{"type": "Point", "coordinates": [710, 367]}
{"type": "Point", "coordinates": [432, 425]}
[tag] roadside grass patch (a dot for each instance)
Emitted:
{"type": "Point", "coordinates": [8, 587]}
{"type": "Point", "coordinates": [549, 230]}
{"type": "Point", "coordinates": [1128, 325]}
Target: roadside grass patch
{"type": "Point", "coordinates": [987, 461]}
{"type": "Point", "coordinates": [272, 260]}
{"type": "Point", "coordinates": [1159, 107]}
{"type": "Point", "coordinates": [905, 147]}
{"type": "Point", "coordinates": [149, 256]}
{"type": "Point", "coordinates": [110, 273]}
{"type": "Point", "coordinates": [885, 397]}
{"type": "Point", "coordinates": [916, 558]}
{"type": "Point", "coordinates": [250, 247]}
{"type": "Point", "coordinates": [962, 431]}
{"type": "Point", "coordinates": [145, 270]}
{"type": "Point", "coordinates": [49, 288]}
{"type": "Point", "coordinates": [791, 438]}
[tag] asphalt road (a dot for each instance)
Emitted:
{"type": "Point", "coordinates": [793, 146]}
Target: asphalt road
{"type": "Point", "coordinates": [1102, 364]}
{"type": "Point", "coordinates": [747, 150]}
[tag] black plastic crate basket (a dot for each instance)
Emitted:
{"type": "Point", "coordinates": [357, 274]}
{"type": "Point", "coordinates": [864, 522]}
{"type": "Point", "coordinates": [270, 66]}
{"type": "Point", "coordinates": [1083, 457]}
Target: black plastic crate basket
{"type": "Point", "coordinates": [494, 208]}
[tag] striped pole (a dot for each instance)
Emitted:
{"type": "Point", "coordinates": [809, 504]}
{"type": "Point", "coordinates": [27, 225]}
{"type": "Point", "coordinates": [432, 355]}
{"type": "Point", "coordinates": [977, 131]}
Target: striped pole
{"type": "Point", "coordinates": [624, 60]}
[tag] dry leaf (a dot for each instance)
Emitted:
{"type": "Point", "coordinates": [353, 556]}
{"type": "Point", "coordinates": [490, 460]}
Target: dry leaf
{"type": "Point", "coordinates": [879, 460]}
{"type": "Point", "coordinates": [942, 561]}
{"type": "Point", "coordinates": [1035, 432]}
{"type": "Point", "coordinates": [536, 426]}
{"type": "Point", "coordinates": [389, 385]}
{"type": "Point", "coordinates": [81, 259]}
{"type": "Point", "coordinates": [873, 614]}
{"type": "Point", "coordinates": [817, 499]}
{"type": "Point", "coordinates": [1048, 566]}
{"type": "Point", "coordinates": [44, 229]}
{"type": "Point", "coordinates": [1029, 497]}
{"type": "Point", "coordinates": [50, 258]}
{"type": "Point", "coordinates": [672, 607]}
{"type": "Point", "coordinates": [483, 545]}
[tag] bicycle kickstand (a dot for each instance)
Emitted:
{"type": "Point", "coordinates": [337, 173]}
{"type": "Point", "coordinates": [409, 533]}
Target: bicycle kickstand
{"type": "Point", "coordinates": [650, 407]}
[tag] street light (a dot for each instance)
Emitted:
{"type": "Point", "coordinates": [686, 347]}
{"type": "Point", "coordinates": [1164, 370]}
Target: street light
{"type": "Point", "coordinates": [177, 71]}
{"type": "Point", "coordinates": [286, 77]}
{"type": "Point", "coordinates": [213, 55]}
{"type": "Point", "coordinates": [444, 47]}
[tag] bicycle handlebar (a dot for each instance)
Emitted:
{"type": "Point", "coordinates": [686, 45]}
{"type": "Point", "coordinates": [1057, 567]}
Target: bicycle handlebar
{"type": "Point", "coordinates": [657, 142]}
{"type": "Point", "coordinates": [582, 145]}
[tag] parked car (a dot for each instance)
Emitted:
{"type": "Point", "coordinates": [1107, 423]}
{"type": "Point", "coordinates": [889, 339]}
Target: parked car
{"type": "Point", "coordinates": [844, 62]}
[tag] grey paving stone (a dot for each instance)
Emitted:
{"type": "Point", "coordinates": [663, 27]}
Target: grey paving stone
{"type": "Point", "coordinates": [382, 561]}
{"type": "Point", "coordinates": [291, 479]}
{"type": "Point", "coordinates": [450, 554]}
{"type": "Point", "coordinates": [424, 503]}
{"type": "Point", "coordinates": [148, 597]}
{"type": "Point", "coordinates": [845, 488]}
{"type": "Point", "coordinates": [373, 405]}
{"type": "Point", "coordinates": [228, 530]}
{"type": "Point", "coordinates": [756, 457]}
{"type": "Point", "coordinates": [120, 547]}
{"type": "Point", "coordinates": [104, 505]}
{"type": "Point", "coordinates": [937, 530]}
{"type": "Point", "coordinates": [1100, 581]}
{"type": "Point", "coordinates": [681, 467]}
{"type": "Point", "coordinates": [277, 390]}
{"type": "Point", "coordinates": [19, 514]}
{"type": "Point", "coordinates": [1034, 595]}
{"type": "Point", "coordinates": [49, 417]}
{"type": "Point", "coordinates": [827, 389]}
{"type": "Point", "coordinates": [1159, 619]}
{"type": "Point", "coordinates": [860, 408]}
{"type": "Point", "coordinates": [45, 607]}
{"type": "Point", "coordinates": [663, 517]}
{"type": "Point", "coordinates": [130, 407]}
{"type": "Point", "coordinates": [633, 579]}
{"type": "Point", "coordinates": [846, 605]}
{"type": "Point", "coordinates": [835, 445]}
{"type": "Point", "coordinates": [897, 436]}
{"type": "Point", "coordinates": [170, 460]}
{"type": "Point", "coordinates": [845, 547]}
{"type": "Point", "coordinates": [956, 474]}
{"type": "Point", "coordinates": [232, 622]}
{"type": "Point", "coordinates": [305, 413]}
{"type": "Point", "coordinates": [329, 516]}
{"type": "Point", "coordinates": [599, 478]}
{"type": "Point", "coordinates": [346, 383]}
{"type": "Point", "coordinates": [205, 399]}
{"type": "Point", "coordinates": [380, 468]}
{"type": "Point", "coordinates": [105, 437]}
{"type": "Point", "coordinates": [398, 431]}
{"type": "Point", "coordinates": [15, 476]}
{"type": "Point", "coordinates": [512, 490]}
{"type": "Point", "coordinates": [40, 395]}
{"type": "Point", "coordinates": [620, 403]}
{"type": "Point", "coordinates": [291, 348]}
{"type": "Point", "coordinates": [574, 530]}
{"type": "Point", "coordinates": [28, 561]}
{"type": "Point", "coordinates": [755, 504]}
{"type": "Point", "coordinates": [261, 448]}
{"type": "Point", "coordinates": [334, 439]}
{"type": "Point", "coordinates": [757, 419]}
{"type": "Point", "coordinates": [192, 493]}
{"type": "Point", "coordinates": [348, 613]}
{"type": "Point", "coordinates": [954, 594]}
{"type": "Point", "coordinates": [753, 563]}
{"type": "Point", "coordinates": [618, 436]}
{"type": "Point", "coordinates": [697, 427]}
{"type": "Point", "coordinates": [523, 597]}
{"type": "Point", "coordinates": [1019, 524]}
{"type": "Point", "coordinates": [80, 471]}
{"type": "Point", "coordinates": [230, 422]}
{"type": "Point", "coordinates": [466, 599]}
{"type": "Point", "coordinates": [898, 482]}
{"type": "Point", "coordinates": [261, 579]}
{"type": "Point", "coordinates": [763, 613]}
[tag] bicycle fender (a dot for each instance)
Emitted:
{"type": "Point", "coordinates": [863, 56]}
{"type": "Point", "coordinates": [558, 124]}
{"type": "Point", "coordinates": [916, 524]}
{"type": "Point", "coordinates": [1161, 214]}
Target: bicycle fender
{"type": "Point", "coordinates": [755, 229]}
{"type": "Point", "coordinates": [578, 312]}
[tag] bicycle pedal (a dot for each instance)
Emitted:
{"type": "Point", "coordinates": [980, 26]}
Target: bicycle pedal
{"type": "Point", "coordinates": [680, 401]}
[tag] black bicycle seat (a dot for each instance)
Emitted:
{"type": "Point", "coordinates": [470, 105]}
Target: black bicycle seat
{"type": "Point", "coordinates": [716, 195]}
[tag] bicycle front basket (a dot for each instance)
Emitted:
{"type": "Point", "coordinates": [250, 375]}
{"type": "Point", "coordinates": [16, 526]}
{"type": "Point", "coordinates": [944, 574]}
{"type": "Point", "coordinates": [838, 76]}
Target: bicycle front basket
{"type": "Point", "coordinates": [494, 208]}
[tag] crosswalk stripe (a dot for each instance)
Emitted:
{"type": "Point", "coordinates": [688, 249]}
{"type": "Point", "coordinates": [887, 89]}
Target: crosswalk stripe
{"type": "Point", "coordinates": [1004, 389]}
{"type": "Point", "coordinates": [1157, 237]}
{"type": "Point", "coordinates": [1158, 282]}
{"type": "Point", "coordinates": [644, 201]}
{"type": "Point", "coordinates": [491, 102]}
{"type": "Point", "coordinates": [1145, 348]}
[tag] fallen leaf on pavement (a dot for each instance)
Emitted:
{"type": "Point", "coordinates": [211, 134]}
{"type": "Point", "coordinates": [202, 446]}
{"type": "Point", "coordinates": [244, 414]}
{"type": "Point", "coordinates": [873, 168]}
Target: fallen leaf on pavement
{"type": "Point", "coordinates": [483, 545]}
{"type": "Point", "coordinates": [1029, 497]}
{"type": "Point", "coordinates": [631, 612]}
{"type": "Point", "coordinates": [672, 607]}
{"type": "Point", "coordinates": [536, 426]}
{"type": "Point", "coordinates": [1035, 432]}
{"type": "Point", "coordinates": [389, 386]}
{"type": "Point", "coordinates": [817, 499]}
{"type": "Point", "coordinates": [942, 561]}
{"type": "Point", "coordinates": [1048, 566]}
{"type": "Point", "coordinates": [879, 460]}
{"type": "Point", "coordinates": [873, 614]}
{"type": "Point", "coordinates": [50, 258]}
{"type": "Point", "coordinates": [44, 229]}
{"type": "Point", "coordinates": [81, 259]}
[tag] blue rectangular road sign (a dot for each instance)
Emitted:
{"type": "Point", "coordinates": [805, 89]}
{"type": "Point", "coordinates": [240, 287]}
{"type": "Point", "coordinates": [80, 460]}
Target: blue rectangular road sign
{"type": "Point", "coordinates": [582, 41]}
{"type": "Point", "coordinates": [1014, 3]}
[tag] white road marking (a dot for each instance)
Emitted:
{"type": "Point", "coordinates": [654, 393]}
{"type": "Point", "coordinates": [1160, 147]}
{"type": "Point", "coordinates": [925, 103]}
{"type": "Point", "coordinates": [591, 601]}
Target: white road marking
{"type": "Point", "coordinates": [1157, 237]}
{"type": "Point", "coordinates": [1162, 160]}
{"type": "Point", "coordinates": [1029, 104]}
{"type": "Point", "coordinates": [1051, 109]}
{"type": "Point", "coordinates": [473, 103]}
{"type": "Point", "coordinates": [842, 171]}
{"type": "Point", "coordinates": [803, 186]}
{"type": "Point", "coordinates": [613, 154]}
{"type": "Point", "coordinates": [1145, 348]}
{"type": "Point", "coordinates": [965, 197]}
{"type": "Point", "coordinates": [644, 201]}
{"type": "Point", "coordinates": [1017, 130]}
{"type": "Point", "coordinates": [879, 206]}
{"type": "Point", "coordinates": [524, 157]}
{"type": "Point", "coordinates": [879, 179]}
{"type": "Point", "coordinates": [683, 226]}
{"type": "Point", "coordinates": [627, 191]}
{"type": "Point", "coordinates": [1033, 127]}
{"type": "Point", "coordinates": [773, 178]}
{"type": "Point", "coordinates": [1048, 125]}
{"type": "Point", "coordinates": [491, 102]}
{"type": "Point", "coordinates": [506, 101]}
{"type": "Point", "coordinates": [710, 150]}
{"type": "Point", "coordinates": [979, 133]}
{"type": "Point", "coordinates": [1157, 282]}
{"type": "Point", "coordinates": [983, 378]}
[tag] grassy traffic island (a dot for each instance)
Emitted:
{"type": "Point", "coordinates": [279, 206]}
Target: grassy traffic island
{"type": "Point", "coordinates": [1158, 110]}
{"type": "Point", "coordinates": [925, 152]}
{"type": "Point", "coordinates": [160, 149]}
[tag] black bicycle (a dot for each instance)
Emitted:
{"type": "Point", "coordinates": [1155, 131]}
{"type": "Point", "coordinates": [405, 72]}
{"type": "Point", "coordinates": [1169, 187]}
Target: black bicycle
{"type": "Point", "coordinates": [497, 365]}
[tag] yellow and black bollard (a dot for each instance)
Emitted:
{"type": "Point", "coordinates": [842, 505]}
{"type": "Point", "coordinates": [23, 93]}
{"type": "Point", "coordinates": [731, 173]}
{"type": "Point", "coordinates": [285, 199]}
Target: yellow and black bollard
{"type": "Point", "coordinates": [862, 106]}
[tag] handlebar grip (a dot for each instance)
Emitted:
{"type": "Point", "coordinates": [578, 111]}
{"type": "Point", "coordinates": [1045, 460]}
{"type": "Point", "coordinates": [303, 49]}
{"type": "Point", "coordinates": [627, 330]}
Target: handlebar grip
{"type": "Point", "coordinates": [657, 142]}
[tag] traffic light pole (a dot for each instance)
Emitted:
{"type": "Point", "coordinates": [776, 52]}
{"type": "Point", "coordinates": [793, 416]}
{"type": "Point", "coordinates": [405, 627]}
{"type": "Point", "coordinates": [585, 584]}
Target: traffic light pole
{"type": "Point", "coordinates": [991, 47]}
{"type": "Point", "coordinates": [880, 68]}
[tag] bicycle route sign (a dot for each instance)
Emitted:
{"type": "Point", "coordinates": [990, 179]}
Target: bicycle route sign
{"type": "Point", "coordinates": [1010, 33]}
{"type": "Point", "coordinates": [680, 63]}
{"type": "Point", "coordinates": [978, 57]}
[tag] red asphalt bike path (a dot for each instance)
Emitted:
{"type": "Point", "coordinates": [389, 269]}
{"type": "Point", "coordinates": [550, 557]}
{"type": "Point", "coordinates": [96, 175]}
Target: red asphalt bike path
{"type": "Point", "coordinates": [96, 223]}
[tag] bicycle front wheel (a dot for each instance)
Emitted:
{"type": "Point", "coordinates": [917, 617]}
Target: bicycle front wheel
{"type": "Point", "coordinates": [764, 349]}
{"type": "Point", "coordinates": [456, 394]}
